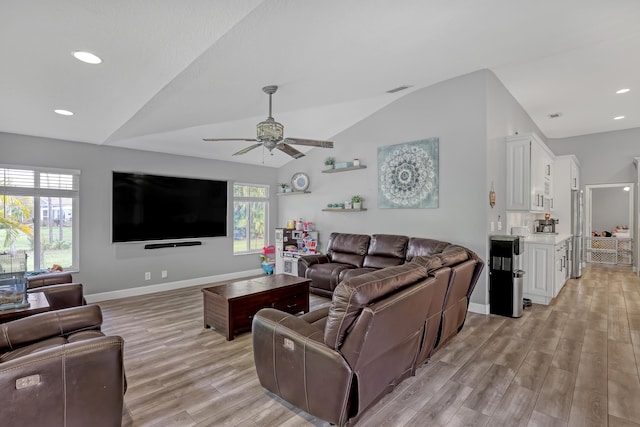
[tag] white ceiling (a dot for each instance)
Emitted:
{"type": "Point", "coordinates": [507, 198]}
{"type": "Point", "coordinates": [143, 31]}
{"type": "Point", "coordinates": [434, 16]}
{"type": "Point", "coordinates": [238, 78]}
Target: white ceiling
{"type": "Point", "coordinates": [175, 72]}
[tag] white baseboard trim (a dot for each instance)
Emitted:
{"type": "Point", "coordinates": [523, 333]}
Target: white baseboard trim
{"type": "Point", "coordinates": [474, 307]}
{"type": "Point", "coordinates": [169, 286]}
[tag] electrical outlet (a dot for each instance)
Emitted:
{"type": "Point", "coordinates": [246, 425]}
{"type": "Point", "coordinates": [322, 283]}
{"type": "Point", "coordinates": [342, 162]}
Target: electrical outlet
{"type": "Point", "coordinates": [147, 275]}
{"type": "Point", "coordinates": [164, 274]}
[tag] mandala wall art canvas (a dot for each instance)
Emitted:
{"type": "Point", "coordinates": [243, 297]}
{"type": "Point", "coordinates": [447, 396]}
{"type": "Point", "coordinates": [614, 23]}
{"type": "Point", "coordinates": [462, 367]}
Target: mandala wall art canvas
{"type": "Point", "coordinates": [408, 175]}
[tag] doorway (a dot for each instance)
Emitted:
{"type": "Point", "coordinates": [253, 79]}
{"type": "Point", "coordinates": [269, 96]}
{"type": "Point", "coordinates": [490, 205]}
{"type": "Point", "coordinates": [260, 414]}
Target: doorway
{"type": "Point", "coordinates": [610, 216]}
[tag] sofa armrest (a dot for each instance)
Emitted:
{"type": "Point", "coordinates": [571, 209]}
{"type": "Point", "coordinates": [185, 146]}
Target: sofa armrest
{"type": "Point", "coordinates": [62, 296]}
{"type": "Point", "coordinates": [306, 261]}
{"type": "Point", "coordinates": [80, 383]}
{"type": "Point", "coordinates": [293, 362]}
{"type": "Point", "coordinates": [47, 279]}
{"type": "Point", "coordinates": [49, 324]}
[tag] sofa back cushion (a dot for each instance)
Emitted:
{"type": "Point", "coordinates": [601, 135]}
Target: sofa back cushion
{"type": "Point", "coordinates": [352, 295]}
{"type": "Point", "coordinates": [348, 248]}
{"type": "Point", "coordinates": [386, 250]}
{"type": "Point", "coordinates": [418, 246]}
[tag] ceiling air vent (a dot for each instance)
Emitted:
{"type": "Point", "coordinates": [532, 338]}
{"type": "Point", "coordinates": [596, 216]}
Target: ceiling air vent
{"type": "Point", "coordinates": [554, 115]}
{"type": "Point", "coordinates": [398, 89]}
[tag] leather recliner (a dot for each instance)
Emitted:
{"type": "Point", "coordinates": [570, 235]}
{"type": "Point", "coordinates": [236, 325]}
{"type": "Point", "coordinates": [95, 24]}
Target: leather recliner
{"type": "Point", "coordinates": [344, 252]}
{"type": "Point", "coordinates": [337, 362]}
{"type": "Point", "coordinates": [59, 288]}
{"type": "Point", "coordinates": [58, 369]}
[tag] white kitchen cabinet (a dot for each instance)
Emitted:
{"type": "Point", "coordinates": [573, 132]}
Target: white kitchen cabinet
{"type": "Point", "coordinates": [560, 267]}
{"type": "Point", "coordinates": [529, 174]}
{"type": "Point", "coordinates": [545, 266]}
{"type": "Point", "coordinates": [539, 273]}
{"type": "Point", "coordinates": [566, 175]}
{"type": "Point", "coordinates": [574, 173]}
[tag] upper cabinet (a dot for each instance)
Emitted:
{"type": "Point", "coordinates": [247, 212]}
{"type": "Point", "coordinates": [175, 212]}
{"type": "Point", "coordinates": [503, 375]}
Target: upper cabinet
{"type": "Point", "coordinates": [530, 173]}
{"type": "Point", "coordinates": [566, 179]}
{"type": "Point", "coordinates": [574, 170]}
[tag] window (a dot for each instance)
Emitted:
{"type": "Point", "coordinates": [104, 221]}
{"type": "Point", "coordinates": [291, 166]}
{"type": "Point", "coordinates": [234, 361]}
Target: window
{"type": "Point", "coordinates": [37, 207]}
{"type": "Point", "coordinates": [250, 217]}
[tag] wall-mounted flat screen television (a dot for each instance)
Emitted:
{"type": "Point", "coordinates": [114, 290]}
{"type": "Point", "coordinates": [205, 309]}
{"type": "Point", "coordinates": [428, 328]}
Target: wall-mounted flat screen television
{"type": "Point", "coordinates": [154, 207]}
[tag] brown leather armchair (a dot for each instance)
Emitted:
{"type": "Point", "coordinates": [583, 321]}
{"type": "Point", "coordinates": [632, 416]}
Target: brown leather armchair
{"type": "Point", "coordinates": [344, 252]}
{"type": "Point", "coordinates": [337, 362]}
{"type": "Point", "coordinates": [58, 369]}
{"type": "Point", "coordinates": [59, 288]}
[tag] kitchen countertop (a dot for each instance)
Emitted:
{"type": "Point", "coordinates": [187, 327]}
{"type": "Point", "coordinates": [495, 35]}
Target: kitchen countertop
{"type": "Point", "coordinates": [549, 239]}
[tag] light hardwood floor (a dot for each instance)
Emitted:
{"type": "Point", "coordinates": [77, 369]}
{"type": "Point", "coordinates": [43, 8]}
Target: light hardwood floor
{"type": "Point", "coordinates": [572, 363]}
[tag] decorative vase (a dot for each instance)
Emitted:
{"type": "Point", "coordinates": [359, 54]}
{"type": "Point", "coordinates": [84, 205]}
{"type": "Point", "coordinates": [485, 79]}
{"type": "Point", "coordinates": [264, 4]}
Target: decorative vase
{"type": "Point", "coordinates": [328, 167]}
{"type": "Point", "coordinates": [356, 162]}
{"type": "Point", "coordinates": [348, 205]}
{"type": "Point", "coordinates": [357, 205]}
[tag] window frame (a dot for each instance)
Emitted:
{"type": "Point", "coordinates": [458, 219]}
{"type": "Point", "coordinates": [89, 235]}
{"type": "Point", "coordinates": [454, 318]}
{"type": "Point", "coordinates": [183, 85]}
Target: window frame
{"type": "Point", "coordinates": [37, 192]}
{"type": "Point", "coordinates": [250, 199]}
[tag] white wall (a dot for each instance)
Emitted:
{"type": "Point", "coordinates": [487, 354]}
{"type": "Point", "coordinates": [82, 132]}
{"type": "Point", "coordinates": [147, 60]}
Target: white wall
{"type": "Point", "coordinates": [609, 208]}
{"type": "Point", "coordinates": [471, 115]}
{"type": "Point", "coordinates": [605, 158]}
{"type": "Point", "coordinates": [105, 266]}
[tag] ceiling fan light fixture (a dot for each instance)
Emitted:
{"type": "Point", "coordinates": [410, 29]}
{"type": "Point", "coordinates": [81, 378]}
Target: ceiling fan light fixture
{"type": "Point", "coordinates": [270, 130]}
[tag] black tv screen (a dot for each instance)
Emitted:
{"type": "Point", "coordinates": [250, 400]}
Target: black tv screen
{"type": "Point", "coordinates": [154, 207]}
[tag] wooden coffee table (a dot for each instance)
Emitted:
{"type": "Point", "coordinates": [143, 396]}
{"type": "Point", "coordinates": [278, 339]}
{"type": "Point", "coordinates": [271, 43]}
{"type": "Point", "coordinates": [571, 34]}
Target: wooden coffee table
{"type": "Point", "coordinates": [231, 307]}
{"type": "Point", "coordinates": [37, 304]}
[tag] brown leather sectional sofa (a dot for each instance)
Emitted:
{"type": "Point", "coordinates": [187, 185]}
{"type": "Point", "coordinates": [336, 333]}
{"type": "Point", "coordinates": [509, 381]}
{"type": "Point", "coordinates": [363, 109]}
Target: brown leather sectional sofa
{"type": "Point", "coordinates": [395, 300]}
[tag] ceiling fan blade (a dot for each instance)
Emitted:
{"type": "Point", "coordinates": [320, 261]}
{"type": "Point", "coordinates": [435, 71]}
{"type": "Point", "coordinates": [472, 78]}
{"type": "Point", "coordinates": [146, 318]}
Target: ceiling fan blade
{"type": "Point", "coordinates": [309, 142]}
{"type": "Point", "coordinates": [230, 139]}
{"type": "Point", "coordinates": [249, 148]}
{"type": "Point", "coordinates": [285, 148]}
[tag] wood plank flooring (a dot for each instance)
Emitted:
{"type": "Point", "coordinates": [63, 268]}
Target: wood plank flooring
{"type": "Point", "coordinates": [572, 363]}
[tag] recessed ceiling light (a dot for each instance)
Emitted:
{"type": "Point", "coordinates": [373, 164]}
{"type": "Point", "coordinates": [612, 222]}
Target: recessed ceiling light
{"type": "Point", "coordinates": [623, 90]}
{"type": "Point", "coordinates": [87, 57]}
{"type": "Point", "coordinates": [627, 188]}
{"type": "Point", "coordinates": [63, 112]}
{"type": "Point", "coordinates": [618, 118]}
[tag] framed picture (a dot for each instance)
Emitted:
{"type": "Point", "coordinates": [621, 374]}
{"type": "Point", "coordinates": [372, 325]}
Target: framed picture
{"type": "Point", "coordinates": [408, 175]}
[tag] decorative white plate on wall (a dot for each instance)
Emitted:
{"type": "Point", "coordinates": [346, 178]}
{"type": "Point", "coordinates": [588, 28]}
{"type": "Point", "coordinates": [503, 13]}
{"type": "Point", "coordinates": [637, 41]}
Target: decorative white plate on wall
{"type": "Point", "coordinates": [300, 181]}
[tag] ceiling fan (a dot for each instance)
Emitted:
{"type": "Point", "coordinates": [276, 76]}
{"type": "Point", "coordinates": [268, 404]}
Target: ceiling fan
{"type": "Point", "coordinates": [270, 135]}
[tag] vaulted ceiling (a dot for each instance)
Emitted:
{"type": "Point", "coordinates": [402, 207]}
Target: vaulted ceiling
{"type": "Point", "coordinates": [176, 72]}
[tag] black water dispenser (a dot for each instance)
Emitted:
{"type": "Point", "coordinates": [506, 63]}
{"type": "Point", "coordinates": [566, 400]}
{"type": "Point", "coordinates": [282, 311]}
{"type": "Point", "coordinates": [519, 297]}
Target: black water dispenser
{"type": "Point", "coordinates": [505, 276]}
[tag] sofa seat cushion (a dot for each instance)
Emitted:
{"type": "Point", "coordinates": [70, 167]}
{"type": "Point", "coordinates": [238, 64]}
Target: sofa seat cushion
{"type": "Point", "coordinates": [326, 276]}
{"type": "Point", "coordinates": [352, 295]}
